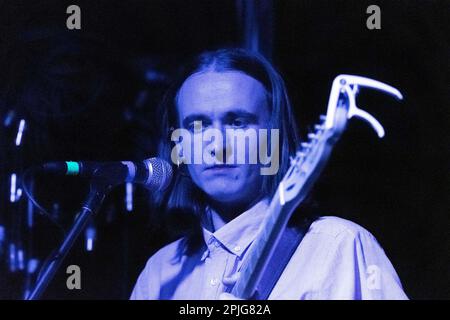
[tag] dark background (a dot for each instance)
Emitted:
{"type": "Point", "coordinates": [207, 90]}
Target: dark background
{"type": "Point", "coordinates": [91, 94]}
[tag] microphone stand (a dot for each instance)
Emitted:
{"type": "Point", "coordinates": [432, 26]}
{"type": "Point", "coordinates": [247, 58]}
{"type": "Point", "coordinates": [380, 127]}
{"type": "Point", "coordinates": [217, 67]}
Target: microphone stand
{"type": "Point", "coordinates": [98, 190]}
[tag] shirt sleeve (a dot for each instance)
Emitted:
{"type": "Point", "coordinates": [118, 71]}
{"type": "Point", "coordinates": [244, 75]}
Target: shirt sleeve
{"type": "Point", "coordinates": [358, 268]}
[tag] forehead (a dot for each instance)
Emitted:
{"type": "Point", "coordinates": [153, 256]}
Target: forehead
{"type": "Point", "coordinates": [214, 93]}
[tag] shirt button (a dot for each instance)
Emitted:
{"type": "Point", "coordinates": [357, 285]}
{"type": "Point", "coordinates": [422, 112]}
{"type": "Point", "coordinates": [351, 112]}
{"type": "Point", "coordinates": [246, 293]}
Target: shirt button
{"type": "Point", "coordinates": [237, 248]}
{"type": "Point", "coordinates": [214, 282]}
{"type": "Point", "coordinates": [217, 244]}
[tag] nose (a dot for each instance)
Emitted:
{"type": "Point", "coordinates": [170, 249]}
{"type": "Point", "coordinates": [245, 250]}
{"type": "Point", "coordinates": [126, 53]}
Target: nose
{"type": "Point", "coordinates": [221, 148]}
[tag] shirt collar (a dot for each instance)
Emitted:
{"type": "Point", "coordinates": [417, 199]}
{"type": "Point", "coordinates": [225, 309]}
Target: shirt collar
{"type": "Point", "coordinates": [240, 232]}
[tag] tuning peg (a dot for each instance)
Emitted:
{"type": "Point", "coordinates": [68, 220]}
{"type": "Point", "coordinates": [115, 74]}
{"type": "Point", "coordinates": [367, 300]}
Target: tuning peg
{"type": "Point", "coordinates": [312, 136]}
{"type": "Point", "coordinates": [300, 154]}
{"type": "Point", "coordinates": [291, 160]}
{"type": "Point", "coordinates": [318, 127]}
{"type": "Point", "coordinates": [305, 145]}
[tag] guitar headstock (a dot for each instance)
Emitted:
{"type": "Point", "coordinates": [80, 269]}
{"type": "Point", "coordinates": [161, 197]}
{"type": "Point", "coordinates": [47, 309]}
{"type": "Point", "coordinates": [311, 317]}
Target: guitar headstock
{"type": "Point", "coordinates": [310, 159]}
{"type": "Point", "coordinates": [305, 161]}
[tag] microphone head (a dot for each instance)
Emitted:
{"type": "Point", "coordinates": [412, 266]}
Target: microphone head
{"type": "Point", "coordinates": [160, 174]}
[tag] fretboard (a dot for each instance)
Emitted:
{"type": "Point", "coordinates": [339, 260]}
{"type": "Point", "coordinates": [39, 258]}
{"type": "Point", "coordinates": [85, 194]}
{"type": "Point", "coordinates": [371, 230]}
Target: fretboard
{"type": "Point", "coordinates": [262, 247]}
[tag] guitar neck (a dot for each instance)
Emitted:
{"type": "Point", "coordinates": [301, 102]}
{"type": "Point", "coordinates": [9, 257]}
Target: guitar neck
{"type": "Point", "coordinates": [262, 248]}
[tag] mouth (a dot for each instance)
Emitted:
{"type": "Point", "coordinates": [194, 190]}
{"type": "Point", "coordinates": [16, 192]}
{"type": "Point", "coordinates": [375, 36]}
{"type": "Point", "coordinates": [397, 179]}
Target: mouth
{"type": "Point", "coordinates": [220, 167]}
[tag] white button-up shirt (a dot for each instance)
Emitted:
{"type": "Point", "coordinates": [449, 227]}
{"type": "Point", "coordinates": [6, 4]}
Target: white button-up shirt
{"type": "Point", "coordinates": [337, 259]}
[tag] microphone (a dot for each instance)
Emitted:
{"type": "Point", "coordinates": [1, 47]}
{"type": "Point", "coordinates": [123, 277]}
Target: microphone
{"type": "Point", "coordinates": [154, 173]}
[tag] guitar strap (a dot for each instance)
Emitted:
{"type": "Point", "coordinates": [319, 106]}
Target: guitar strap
{"type": "Point", "coordinates": [290, 239]}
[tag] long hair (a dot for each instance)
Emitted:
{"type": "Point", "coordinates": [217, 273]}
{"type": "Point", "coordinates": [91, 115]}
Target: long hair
{"type": "Point", "coordinates": [183, 198]}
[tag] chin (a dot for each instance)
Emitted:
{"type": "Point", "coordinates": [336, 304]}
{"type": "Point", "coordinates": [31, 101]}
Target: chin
{"type": "Point", "coordinates": [224, 193]}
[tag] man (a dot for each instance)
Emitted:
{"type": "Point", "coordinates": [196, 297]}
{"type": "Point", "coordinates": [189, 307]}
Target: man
{"type": "Point", "coordinates": [227, 90]}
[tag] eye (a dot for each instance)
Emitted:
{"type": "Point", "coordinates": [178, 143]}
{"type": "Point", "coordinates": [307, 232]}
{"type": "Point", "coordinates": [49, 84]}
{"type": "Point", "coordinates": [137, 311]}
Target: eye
{"type": "Point", "coordinates": [239, 122]}
{"type": "Point", "coordinates": [190, 126]}
{"type": "Point", "coordinates": [197, 126]}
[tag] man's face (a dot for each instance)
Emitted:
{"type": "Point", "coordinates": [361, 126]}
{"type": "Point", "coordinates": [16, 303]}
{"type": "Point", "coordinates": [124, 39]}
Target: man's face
{"type": "Point", "coordinates": [221, 101]}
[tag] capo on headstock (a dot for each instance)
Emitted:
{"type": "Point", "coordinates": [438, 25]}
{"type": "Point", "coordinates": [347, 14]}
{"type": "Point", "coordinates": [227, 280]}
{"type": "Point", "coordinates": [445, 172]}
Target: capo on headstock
{"type": "Point", "coordinates": [349, 84]}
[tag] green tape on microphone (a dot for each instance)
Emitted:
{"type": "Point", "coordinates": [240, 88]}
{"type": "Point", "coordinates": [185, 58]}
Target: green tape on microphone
{"type": "Point", "coordinates": [73, 168]}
